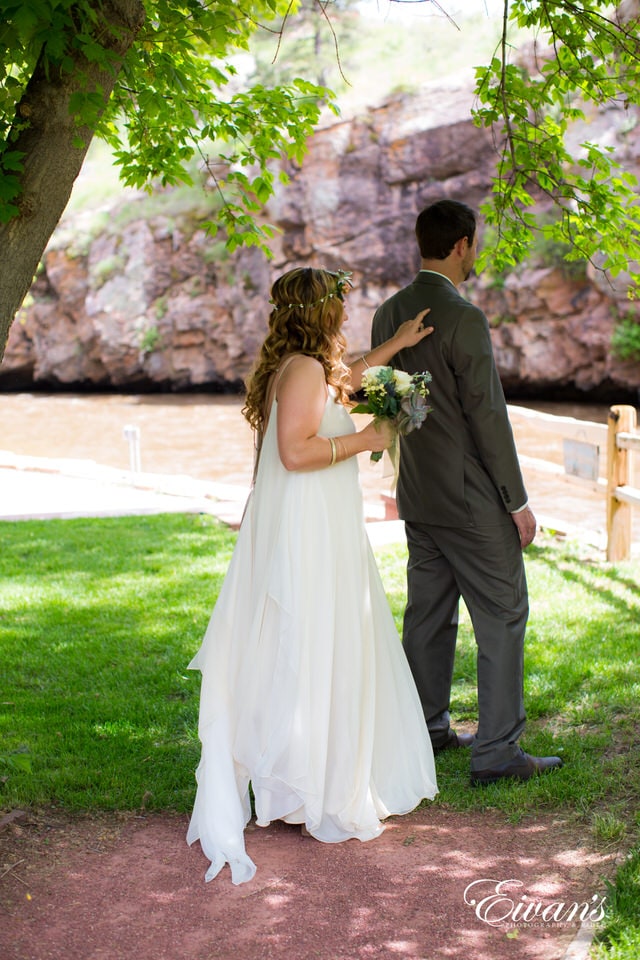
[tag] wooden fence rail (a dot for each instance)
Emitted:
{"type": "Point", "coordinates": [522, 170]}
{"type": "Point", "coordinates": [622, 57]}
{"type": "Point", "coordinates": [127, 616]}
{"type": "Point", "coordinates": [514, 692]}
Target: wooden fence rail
{"type": "Point", "coordinates": [622, 441]}
{"type": "Point", "coordinates": [582, 442]}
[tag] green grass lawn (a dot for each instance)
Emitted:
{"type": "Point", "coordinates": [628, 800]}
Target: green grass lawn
{"type": "Point", "coordinates": [98, 622]}
{"type": "Point", "coordinates": [98, 711]}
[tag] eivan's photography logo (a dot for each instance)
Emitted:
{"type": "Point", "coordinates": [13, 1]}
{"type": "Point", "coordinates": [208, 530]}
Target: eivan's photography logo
{"type": "Point", "coordinates": [502, 901]}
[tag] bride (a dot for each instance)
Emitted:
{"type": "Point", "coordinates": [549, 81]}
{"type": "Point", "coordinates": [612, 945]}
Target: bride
{"type": "Point", "coordinates": [306, 694]}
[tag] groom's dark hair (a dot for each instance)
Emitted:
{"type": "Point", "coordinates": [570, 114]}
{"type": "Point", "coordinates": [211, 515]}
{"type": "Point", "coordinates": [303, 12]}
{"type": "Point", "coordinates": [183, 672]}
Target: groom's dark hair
{"type": "Point", "coordinates": [440, 226]}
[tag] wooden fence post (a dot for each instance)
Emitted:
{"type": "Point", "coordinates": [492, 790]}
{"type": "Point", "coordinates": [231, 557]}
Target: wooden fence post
{"type": "Point", "coordinates": [622, 419]}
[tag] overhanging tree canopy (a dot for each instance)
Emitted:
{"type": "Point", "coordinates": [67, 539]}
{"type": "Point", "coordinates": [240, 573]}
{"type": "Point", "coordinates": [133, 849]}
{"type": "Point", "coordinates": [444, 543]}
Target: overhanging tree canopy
{"type": "Point", "coordinates": [588, 55]}
{"type": "Point", "coordinates": [149, 76]}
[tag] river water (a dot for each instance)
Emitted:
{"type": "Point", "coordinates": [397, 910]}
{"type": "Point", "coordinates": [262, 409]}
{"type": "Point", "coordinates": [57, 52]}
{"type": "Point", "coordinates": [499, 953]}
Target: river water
{"type": "Point", "coordinates": [205, 436]}
{"type": "Point", "coordinates": [201, 435]}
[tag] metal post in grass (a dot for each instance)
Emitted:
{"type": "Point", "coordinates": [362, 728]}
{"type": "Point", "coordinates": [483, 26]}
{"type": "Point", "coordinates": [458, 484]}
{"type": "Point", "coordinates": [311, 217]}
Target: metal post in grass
{"type": "Point", "coordinates": [132, 436]}
{"type": "Point", "coordinates": [620, 493]}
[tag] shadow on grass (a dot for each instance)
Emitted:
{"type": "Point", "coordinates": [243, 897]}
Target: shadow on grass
{"type": "Point", "coordinates": [98, 622]}
{"type": "Point", "coordinates": [582, 687]}
{"type": "Point", "coordinates": [100, 618]}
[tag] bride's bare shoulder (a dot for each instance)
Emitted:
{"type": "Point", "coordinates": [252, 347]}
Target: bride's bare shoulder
{"type": "Point", "coordinates": [302, 361]}
{"type": "Point", "coordinates": [299, 365]}
{"type": "Point", "coordinates": [303, 376]}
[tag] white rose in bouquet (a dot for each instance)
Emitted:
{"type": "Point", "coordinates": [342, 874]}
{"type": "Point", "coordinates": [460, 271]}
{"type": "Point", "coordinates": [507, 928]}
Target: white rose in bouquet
{"type": "Point", "coordinates": [403, 381]}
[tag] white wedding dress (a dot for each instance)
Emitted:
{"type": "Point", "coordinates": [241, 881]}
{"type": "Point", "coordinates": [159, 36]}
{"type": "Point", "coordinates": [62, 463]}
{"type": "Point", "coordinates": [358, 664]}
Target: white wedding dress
{"type": "Point", "coordinates": [306, 692]}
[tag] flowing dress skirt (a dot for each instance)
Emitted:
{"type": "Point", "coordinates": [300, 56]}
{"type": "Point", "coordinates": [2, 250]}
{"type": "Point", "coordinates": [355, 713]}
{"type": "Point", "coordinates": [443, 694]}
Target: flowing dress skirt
{"type": "Point", "coordinates": [306, 692]}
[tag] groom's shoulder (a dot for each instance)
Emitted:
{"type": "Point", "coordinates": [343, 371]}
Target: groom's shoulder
{"type": "Point", "coordinates": [409, 294]}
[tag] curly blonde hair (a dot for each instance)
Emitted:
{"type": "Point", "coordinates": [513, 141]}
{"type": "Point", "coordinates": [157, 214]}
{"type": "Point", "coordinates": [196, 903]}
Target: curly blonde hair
{"type": "Point", "coordinates": [306, 318]}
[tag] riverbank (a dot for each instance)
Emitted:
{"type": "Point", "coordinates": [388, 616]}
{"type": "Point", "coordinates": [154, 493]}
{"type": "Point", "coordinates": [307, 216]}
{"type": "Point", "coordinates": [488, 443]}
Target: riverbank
{"type": "Point", "coordinates": [43, 489]}
{"type": "Point", "coordinates": [69, 452]}
{"type": "Point", "coordinates": [38, 488]}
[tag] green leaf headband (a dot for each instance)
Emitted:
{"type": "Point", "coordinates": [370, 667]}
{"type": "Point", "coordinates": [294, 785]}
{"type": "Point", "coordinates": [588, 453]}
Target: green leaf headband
{"type": "Point", "coordinates": [343, 282]}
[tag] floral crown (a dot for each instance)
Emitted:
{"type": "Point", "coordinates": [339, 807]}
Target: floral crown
{"type": "Point", "coordinates": [343, 282]}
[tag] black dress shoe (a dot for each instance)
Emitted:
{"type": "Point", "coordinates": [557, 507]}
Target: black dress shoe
{"type": "Point", "coordinates": [454, 741]}
{"type": "Point", "coordinates": [520, 768]}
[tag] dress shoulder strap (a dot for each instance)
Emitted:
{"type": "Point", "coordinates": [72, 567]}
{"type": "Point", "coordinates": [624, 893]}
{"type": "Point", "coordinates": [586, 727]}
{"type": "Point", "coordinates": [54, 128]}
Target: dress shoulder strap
{"type": "Point", "coordinates": [268, 404]}
{"type": "Point", "coordinates": [281, 369]}
{"type": "Point", "coordinates": [273, 386]}
{"type": "Point", "coordinates": [270, 398]}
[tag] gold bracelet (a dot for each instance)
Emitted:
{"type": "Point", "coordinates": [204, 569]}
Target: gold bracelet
{"type": "Point", "coordinates": [364, 360]}
{"type": "Point", "coordinates": [333, 451]}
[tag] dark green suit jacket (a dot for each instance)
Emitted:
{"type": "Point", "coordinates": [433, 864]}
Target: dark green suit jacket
{"type": "Point", "coordinates": [461, 468]}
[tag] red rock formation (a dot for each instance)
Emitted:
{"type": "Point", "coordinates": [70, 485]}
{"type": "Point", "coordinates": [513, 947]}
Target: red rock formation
{"type": "Point", "coordinates": [157, 304]}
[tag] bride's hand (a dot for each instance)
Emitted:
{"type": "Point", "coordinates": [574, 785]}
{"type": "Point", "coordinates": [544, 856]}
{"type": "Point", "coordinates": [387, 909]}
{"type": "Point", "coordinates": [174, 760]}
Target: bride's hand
{"type": "Point", "coordinates": [378, 435]}
{"type": "Point", "coordinates": [413, 331]}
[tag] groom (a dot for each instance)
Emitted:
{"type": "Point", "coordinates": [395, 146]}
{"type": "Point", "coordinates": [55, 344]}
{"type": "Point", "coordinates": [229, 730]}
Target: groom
{"type": "Point", "coordinates": [462, 498]}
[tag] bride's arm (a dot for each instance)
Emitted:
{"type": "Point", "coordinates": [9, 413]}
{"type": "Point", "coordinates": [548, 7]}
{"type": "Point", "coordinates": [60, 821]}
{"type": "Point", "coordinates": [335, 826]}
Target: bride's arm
{"type": "Point", "coordinates": [302, 397]}
{"type": "Point", "coordinates": [407, 335]}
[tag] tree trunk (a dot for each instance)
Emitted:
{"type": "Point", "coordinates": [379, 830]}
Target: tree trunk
{"type": "Point", "coordinates": [51, 160]}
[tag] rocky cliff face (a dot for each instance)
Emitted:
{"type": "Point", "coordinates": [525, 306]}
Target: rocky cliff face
{"type": "Point", "coordinates": [151, 302]}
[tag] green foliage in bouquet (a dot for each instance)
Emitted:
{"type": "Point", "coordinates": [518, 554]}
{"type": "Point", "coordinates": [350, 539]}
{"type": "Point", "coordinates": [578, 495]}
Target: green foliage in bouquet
{"type": "Point", "coordinates": [397, 396]}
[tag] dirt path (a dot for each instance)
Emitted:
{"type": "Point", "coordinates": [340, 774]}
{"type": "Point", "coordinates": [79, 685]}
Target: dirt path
{"type": "Point", "coordinates": [129, 888]}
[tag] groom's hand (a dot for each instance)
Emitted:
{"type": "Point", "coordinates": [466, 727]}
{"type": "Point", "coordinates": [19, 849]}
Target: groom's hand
{"type": "Point", "coordinates": [526, 524]}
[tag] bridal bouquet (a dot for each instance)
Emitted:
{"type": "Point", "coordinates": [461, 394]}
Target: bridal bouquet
{"type": "Point", "coordinates": [397, 396]}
